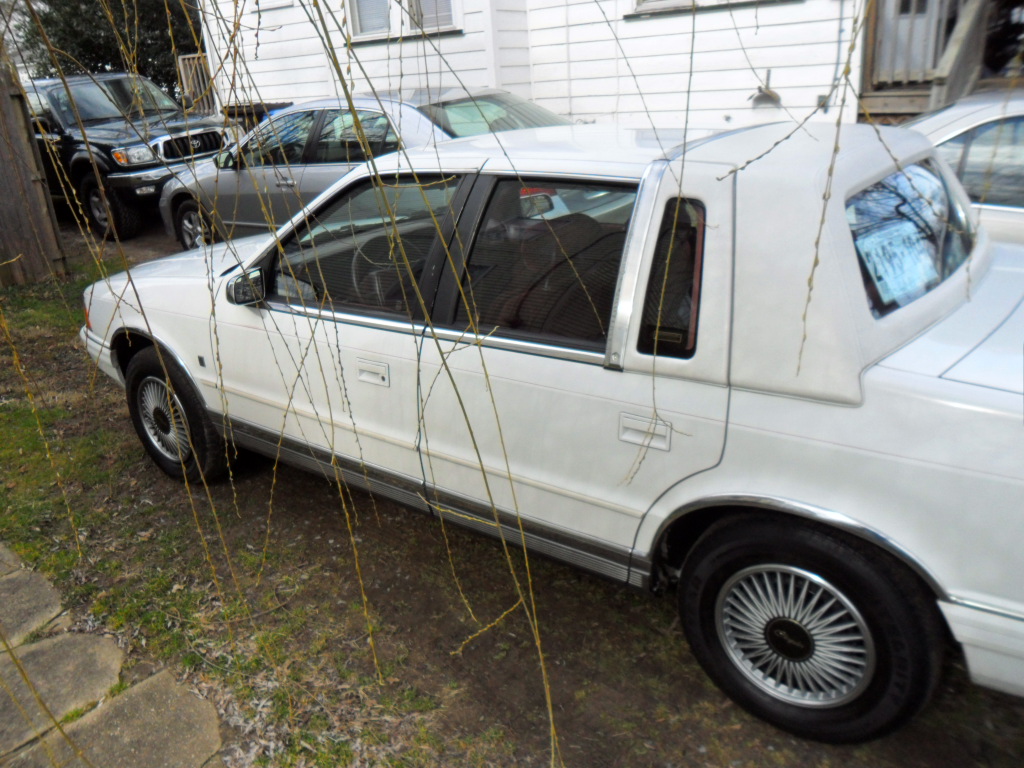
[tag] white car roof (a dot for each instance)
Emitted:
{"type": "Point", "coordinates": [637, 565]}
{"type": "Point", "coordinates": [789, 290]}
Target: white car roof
{"type": "Point", "coordinates": [968, 112]}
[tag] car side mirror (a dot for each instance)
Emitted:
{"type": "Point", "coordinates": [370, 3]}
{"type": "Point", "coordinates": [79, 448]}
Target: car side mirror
{"type": "Point", "coordinates": [247, 288]}
{"type": "Point", "coordinates": [226, 161]}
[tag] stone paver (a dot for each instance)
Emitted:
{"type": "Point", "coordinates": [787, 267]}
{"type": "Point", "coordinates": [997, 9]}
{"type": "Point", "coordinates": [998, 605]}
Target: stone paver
{"type": "Point", "coordinates": [68, 672]}
{"type": "Point", "coordinates": [8, 561]}
{"type": "Point", "coordinates": [155, 724]}
{"type": "Point", "coordinates": [27, 603]}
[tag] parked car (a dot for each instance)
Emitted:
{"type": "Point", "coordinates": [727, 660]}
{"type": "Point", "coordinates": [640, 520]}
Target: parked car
{"type": "Point", "coordinates": [113, 140]}
{"type": "Point", "coordinates": [290, 159]}
{"type": "Point", "coordinates": [982, 137]}
{"type": "Point", "coordinates": [801, 412]}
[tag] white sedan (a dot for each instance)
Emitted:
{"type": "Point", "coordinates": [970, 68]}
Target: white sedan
{"type": "Point", "coordinates": [688, 369]}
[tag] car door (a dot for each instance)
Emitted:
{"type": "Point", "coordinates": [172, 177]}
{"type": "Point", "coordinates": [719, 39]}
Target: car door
{"type": "Point", "coordinates": [327, 368]}
{"type": "Point", "coordinates": [550, 401]}
{"type": "Point", "coordinates": [336, 147]}
{"type": "Point", "coordinates": [989, 159]}
{"type": "Point", "coordinates": [262, 191]}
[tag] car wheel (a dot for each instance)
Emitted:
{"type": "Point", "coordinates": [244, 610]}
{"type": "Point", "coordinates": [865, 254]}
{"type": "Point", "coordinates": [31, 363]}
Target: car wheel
{"type": "Point", "coordinates": [110, 216]}
{"type": "Point", "coordinates": [812, 630]}
{"type": "Point", "coordinates": [171, 420]}
{"type": "Point", "coordinates": [192, 225]}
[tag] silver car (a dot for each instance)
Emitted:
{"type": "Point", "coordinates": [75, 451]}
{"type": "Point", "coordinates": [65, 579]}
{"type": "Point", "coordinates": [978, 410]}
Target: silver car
{"type": "Point", "coordinates": [291, 158]}
{"type": "Point", "coordinates": [982, 137]}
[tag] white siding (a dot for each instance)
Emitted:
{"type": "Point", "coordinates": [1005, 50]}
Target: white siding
{"type": "Point", "coordinates": [590, 63]}
{"type": "Point", "coordinates": [281, 55]}
{"type": "Point", "coordinates": [579, 58]}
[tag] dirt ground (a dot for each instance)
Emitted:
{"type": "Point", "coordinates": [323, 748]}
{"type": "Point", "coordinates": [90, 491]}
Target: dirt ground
{"type": "Point", "coordinates": [461, 684]}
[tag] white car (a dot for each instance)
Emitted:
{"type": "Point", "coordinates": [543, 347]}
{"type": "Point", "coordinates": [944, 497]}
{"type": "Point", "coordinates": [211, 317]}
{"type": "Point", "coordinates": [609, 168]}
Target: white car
{"type": "Point", "coordinates": [680, 369]}
{"type": "Point", "coordinates": [982, 137]}
{"type": "Point", "coordinates": [286, 161]}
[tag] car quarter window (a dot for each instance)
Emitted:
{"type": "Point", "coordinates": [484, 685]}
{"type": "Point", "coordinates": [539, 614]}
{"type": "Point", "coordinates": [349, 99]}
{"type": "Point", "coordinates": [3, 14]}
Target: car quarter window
{"type": "Point", "coordinates": [366, 249]}
{"type": "Point", "coordinates": [338, 139]}
{"type": "Point", "coordinates": [910, 235]}
{"type": "Point", "coordinates": [668, 325]}
{"type": "Point", "coordinates": [545, 261]}
{"type": "Point", "coordinates": [280, 141]}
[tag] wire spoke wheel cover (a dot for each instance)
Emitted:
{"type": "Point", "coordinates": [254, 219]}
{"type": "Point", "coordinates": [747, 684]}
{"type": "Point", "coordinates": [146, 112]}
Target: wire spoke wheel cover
{"type": "Point", "coordinates": [795, 636]}
{"type": "Point", "coordinates": [163, 419]}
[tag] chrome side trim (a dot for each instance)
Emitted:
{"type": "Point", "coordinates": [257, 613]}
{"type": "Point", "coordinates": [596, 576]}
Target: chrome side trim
{"type": "Point", "coordinates": [990, 609]}
{"type": "Point", "coordinates": [587, 554]}
{"type": "Point", "coordinates": [797, 509]}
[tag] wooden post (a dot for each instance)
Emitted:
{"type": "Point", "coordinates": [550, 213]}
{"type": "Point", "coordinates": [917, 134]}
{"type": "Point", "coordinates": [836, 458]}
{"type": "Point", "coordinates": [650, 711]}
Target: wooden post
{"type": "Point", "coordinates": [30, 246]}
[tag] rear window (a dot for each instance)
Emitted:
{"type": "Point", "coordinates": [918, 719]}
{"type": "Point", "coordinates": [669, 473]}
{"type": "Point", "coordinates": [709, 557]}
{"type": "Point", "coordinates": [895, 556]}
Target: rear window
{"type": "Point", "coordinates": [910, 233]}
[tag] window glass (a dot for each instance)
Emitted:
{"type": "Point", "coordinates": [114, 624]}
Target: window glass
{"type": "Point", "coordinates": [281, 141]}
{"type": "Point", "coordinates": [435, 14]}
{"type": "Point", "coordinates": [910, 235]}
{"type": "Point", "coordinates": [669, 323]}
{"type": "Point", "coordinates": [993, 170]}
{"type": "Point", "coordinates": [338, 141]}
{"type": "Point", "coordinates": [110, 99]}
{"type": "Point", "coordinates": [371, 16]}
{"type": "Point", "coordinates": [365, 249]}
{"type": "Point", "coordinates": [545, 262]}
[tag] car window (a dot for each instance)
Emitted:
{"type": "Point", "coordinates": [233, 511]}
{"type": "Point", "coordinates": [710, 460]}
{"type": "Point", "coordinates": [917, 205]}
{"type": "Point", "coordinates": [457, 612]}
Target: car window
{"type": "Point", "coordinates": [366, 249]}
{"type": "Point", "coordinates": [489, 112]}
{"type": "Point", "coordinates": [338, 141]}
{"type": "Point", "coordinates": [280, 141]}
{"type": "Point", "coordinates": [993, 165]}
{"type": "Point", "coordinates": [669, 322]}
{"type": "Point", "coordinates": [545, 261]}
{"type": "Point", "coordinates": [910, 235]}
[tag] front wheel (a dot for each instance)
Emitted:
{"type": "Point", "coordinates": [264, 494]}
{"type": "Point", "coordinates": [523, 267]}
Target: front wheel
{"type": "Point", "coordinates": [171, 420]}
{"type": "Point", "coordinates": [107, 213]}
{"type": "Point", "coordinates": [814, 631]}
{"type": "Point", "coordinates": [192, 225]}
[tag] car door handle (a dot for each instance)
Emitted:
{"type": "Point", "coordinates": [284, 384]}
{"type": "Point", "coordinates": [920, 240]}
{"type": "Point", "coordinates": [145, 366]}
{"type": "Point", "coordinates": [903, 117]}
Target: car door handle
{"type": "Point", "coordinates": [640, 430]}
{"type": "Point", "coordinates": [373, 372]}
{"type": "Point", "coordinates": [285, 182]}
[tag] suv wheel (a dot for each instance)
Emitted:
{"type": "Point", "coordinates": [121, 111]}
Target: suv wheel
{"type": "Point", "coordinates": [812, 630]}
{"type": "Point", "coordinates": [106, 218]}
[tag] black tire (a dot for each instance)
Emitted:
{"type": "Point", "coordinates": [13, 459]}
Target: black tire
{"type": "Point", "coordinates": [170, 419]}
{"type": "Point", "coordinates": [868, 679]}
{"type": "Point", "coordinates": [192, 226]}
{"type": "Point", "coordinates": [106, 218]}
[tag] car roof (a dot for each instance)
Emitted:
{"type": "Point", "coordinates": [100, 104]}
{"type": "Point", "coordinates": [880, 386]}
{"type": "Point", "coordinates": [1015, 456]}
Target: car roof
{"type": "Point", "coordinates": [774, 149]}
{"type": "Point", "coordinates": [970, 111]}
{"type": "Point", "coordinates": [46, 82]}
{"type": "Point", "coordinates": [411, 97]}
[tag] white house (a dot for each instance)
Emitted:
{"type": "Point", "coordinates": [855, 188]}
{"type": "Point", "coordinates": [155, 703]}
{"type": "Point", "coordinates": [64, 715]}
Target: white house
{"type": "Point", "coordinates": [643, 63]}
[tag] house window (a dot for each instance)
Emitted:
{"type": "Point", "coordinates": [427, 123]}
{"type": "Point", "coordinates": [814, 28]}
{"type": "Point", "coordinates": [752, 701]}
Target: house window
{"type": "Point", "coordinates": [378, 17]}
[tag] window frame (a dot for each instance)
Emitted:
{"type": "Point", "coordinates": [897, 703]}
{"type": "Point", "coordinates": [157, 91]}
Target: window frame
{"type": "Point", "coordinates": [406, 19]}
{"type": "Point", "coordinates": [461, 249]}
{"type": "Point", "coordinates": [368, 315]}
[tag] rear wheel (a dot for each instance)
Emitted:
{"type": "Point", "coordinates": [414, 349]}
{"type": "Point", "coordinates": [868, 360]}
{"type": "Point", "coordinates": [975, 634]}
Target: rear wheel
{"type": "Point", "coordinates": [814, 631]}
{"type": "Point", "coordinates": [109, 215]}
{"type": "Point", "coordinates": [171, 420]}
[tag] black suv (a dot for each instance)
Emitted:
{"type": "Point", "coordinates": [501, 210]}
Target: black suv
{"type": "Point", "coordinates": [113, 140]}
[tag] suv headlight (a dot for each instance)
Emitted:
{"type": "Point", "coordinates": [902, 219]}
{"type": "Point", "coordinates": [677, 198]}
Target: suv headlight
{"type": "Point", "coordinates": [141, 154]}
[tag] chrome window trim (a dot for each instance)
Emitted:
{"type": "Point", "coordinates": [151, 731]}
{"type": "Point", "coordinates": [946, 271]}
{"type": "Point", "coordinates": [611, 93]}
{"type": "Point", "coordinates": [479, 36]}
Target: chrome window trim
{"type": "Point", "coordinates": [411, 327]}
{"type": "Point", "coordinates": [637, 238]}
{"type": "Point", "coordinates": [525, 346]}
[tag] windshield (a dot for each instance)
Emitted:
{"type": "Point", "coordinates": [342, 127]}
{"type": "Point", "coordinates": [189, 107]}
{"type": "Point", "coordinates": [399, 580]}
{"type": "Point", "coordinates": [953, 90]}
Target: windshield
{"type": "Point", "coordinates": [103, 100]}
{"type": "Point", "coordinates": [910, 234]}
{"type": "Point", "coordinates": [492, 112]}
